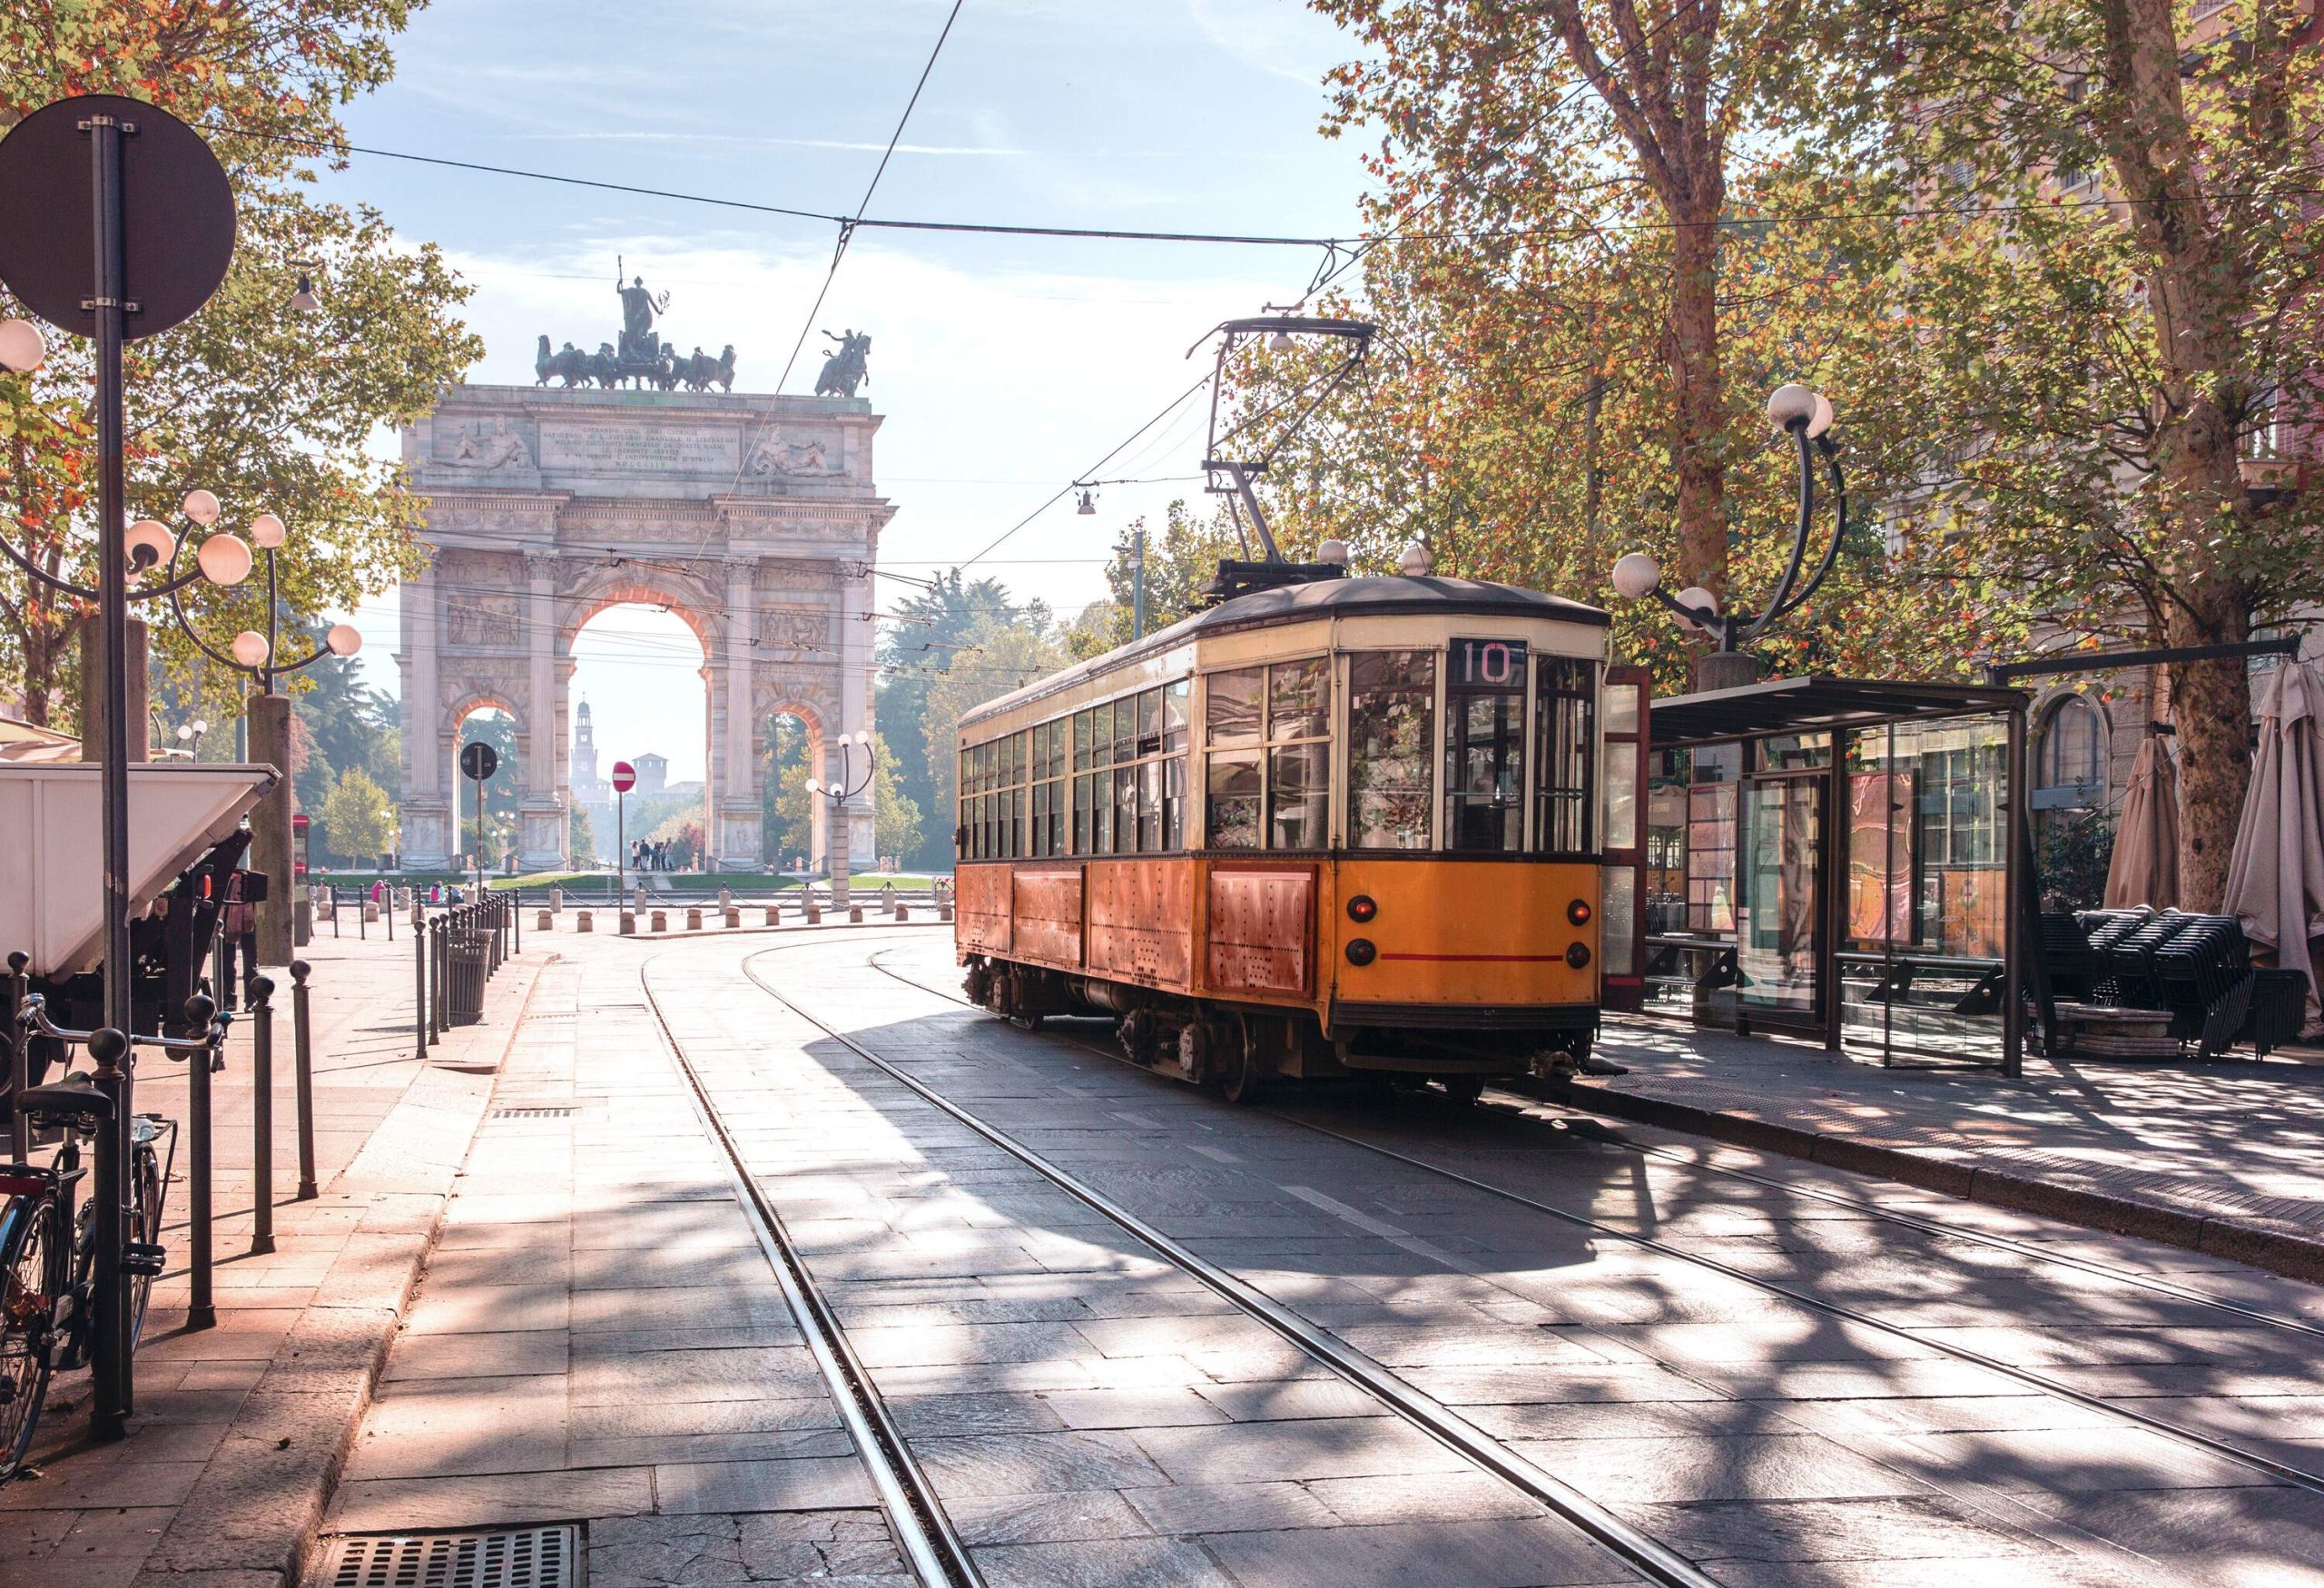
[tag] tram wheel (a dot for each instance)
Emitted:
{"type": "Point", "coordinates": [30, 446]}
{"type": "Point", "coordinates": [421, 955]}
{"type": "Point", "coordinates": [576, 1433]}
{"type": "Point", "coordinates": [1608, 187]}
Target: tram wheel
{"type": "Point", "coordinates": [1242, 1076]}
{"type": "Point", "coordinates": [1462, 1089]}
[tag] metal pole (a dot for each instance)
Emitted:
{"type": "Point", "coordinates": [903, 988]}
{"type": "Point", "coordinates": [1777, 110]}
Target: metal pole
{"type": "Point", "coordinates": [262, 1115]}
{"type": "Point", "coordinates": [19, 1059]}
{"type": "Point", "coordinates": [1138, 588]}
{"type": "Point", "coordinates": [113, 1389]}
{"type": "Point", "coordinates": [419, 985]}
{"type": "Point", "coordinates": [199, 1313]}
{"type": "Point", "coordinates": [302, 1062]}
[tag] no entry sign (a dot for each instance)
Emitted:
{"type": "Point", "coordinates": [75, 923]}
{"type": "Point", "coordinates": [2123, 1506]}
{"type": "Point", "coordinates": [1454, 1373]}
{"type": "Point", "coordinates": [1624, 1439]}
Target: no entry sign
{"type": "Point", "coordinates": [624, 777]}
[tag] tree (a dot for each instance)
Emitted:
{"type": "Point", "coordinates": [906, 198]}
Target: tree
{"type": "Point", "coordinates": [500, 793]}
{"type": "Point", "coordinates": [272, 411]}
{"type": "Point", "coordinates": [897, 828]}
{"type": "Point", "coordinates": [923, 634]}
{"type": "Point", "coordinates": [791, 798]}
{"type": "Point", "coordinates": [1179, 566]}
{"type": "Point", "coordinates": [359, 825]}
{"type": "Point", "coordinates": [342, 723]}
{"type": "Point", "coordinates": [581, 835]}
{"type": "Point", "coordinates": [2126, 310]}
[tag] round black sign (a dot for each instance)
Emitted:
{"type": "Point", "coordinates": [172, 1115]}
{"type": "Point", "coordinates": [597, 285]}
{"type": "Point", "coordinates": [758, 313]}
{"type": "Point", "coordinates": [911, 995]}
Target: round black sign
{"type": "Point", "coordinates": [479, 761]}
{"type": "Point", "coordinates": [177, 214]}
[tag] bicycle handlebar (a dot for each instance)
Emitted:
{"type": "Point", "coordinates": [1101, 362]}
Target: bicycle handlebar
{"type": "Point", "coordinates": [33, 1017]}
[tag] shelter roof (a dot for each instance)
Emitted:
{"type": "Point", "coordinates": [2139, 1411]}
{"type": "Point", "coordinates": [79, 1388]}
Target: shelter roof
{"type": "Point", "coordinates": [1812, 702]}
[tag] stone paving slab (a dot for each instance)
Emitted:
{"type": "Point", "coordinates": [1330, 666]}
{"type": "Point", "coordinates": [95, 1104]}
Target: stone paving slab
{"type": "Point", "coordinates": [239, 1430]}
{"type": "Point", "coordinates": [2220, 1159]}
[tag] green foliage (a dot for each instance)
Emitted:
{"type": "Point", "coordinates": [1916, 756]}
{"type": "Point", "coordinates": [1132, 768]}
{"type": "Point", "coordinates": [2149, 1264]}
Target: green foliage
{"type": "Point", "coordinates": [501, 791]}
{"type": "Point", "coordinates": [581, 836]}
{"type": "Point", "coordinates": [789, 796]}
{"type": "Point", "coordinates": [897, 826]}
{"type": "Point", "coordinates": [272, 411]}
{"type": "Point", "coordinates": [342, 724]}
{"type": "Point", "coordinates": [683, 833]}
{"type": "Point", "coordinates": [357, 823]}
{"type": "Point", "coordinates": [994, 658]}
{"type": "Point", "coordinates": [1179, 563]}
{"type": "Point", "coordinates": [2074, 849]}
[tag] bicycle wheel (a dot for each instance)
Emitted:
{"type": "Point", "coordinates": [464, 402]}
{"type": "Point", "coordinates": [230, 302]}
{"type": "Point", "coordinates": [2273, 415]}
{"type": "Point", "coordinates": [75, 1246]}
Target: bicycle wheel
{"type": "Point", "coordinates": [27, 1242]}
{"type": "Point", "coordinates": [144, 1227]}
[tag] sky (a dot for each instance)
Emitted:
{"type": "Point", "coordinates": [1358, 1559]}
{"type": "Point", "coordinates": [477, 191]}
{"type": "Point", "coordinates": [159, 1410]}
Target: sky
{"type": "Point", "coordinates": [1004, 366]}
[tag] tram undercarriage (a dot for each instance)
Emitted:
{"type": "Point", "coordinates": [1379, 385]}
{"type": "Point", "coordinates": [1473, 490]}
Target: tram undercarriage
{"type": "Point", "coordinates": [1237, 1048]}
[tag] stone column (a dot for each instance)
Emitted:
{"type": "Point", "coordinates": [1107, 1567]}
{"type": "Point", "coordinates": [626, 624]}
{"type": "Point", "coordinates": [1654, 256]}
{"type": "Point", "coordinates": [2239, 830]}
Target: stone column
{"type": "Point", "coordinates": [856, 698]}
{"type": "Point", "coordinates": [738, 832]}
{"type": "Point", "coordinates": [544, 832]}
{"type": "Point", "coordinates": [270, 745]}
{"type": "Point", "coordinates": [426, 844]}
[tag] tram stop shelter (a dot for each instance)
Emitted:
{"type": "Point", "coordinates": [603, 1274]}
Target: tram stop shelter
{"type": "Point", "coordinates": [1832, 858]}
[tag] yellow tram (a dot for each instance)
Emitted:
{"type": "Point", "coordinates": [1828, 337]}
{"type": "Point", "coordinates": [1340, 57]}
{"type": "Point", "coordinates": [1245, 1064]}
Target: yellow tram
{"type": "Point", "coordinates": [1337, 826]}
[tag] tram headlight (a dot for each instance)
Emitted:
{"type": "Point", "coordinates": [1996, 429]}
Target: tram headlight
{"type": "Point", "coordinates": [1579, 913]}
{"type": "Point", "coordinates": [1577, 955]}
{"type": "Point", "coordinates": [1361, 908]}
{"type": "Point", "coordinates": [1361, 952]}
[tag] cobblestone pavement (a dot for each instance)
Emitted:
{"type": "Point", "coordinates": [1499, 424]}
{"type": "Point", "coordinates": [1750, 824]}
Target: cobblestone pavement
{"type": "Point", "coordinates": [2225, 1157]}
{"type": "Point", "coordinates": [600, 1336]}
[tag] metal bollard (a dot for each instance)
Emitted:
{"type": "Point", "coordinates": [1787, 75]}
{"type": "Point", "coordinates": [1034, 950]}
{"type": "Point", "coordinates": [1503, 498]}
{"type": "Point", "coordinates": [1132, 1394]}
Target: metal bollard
{"type": "Point", "coordinates": [19, 1059]}
{"type": "Point", "coordinates": [262, 1115]}
{"type": "Point", "coordinates": [439, 962]}
{"type": "Point", "coordinates": [334, 912]}
{"type": "Point", "coordinates": [201, 1312]}
{"type": "Point", "coordinates": [419, 987]}
{"type": "Point", "coordinates": [390, 916]}
{"type": "Point", "coordinates": [302, 1064]}
{"type": "Point", "coordinates": [112, 1371]}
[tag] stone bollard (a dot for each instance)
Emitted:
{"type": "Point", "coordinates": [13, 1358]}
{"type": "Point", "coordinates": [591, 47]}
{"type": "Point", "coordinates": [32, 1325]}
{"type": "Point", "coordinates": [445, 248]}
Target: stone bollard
{"type": "Point", "coordinates": [814, 914]}
{"type": "Point", "coordinates": [370, 912]}
{"type": "Point", "coordinates": [556, 901]}
{"type": "Point", "coordinates": [855, 913]}
{"type": "Point", "coordinates": [628, 924]}
{"type": "Point", "coordinates": [694, 921]}
{"type": "Point", "coordinates": [734, 918]}
{"type": "Point", "coordinates": [661, 921]}
{"type": "Point", "coordinates": [943, 913]}
{"type": "Point", "coordinates": [581, 921]}
{"type": "Point", "coordinates": [542, 921]}
{"type": "Point", "coordinates": [903, 913]}
{"type": "Point", "coordinates": [725, 898]}
{"type": "Point", "coordinates": [640, 905]}
{"type": "Point", "coordinates": [774, 915]}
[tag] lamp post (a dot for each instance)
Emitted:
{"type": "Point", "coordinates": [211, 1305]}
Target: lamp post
{"type": "Point", "coordinates": [840, 794]}
{"type": "Point", "coordinates": [1806, 416]}
{"type": "Point", "coordinates": [225, 558]}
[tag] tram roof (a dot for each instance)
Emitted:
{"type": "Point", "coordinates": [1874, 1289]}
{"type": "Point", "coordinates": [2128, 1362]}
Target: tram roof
{"type": "Point", "coordinates": [1368, 597]}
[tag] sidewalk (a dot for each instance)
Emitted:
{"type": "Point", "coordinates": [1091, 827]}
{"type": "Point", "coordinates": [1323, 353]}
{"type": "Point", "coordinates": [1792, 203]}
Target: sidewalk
{"type": "Point", "coordinates": [2220, 1158]}
{"type": "Point", "coordinates": [239, 1430]}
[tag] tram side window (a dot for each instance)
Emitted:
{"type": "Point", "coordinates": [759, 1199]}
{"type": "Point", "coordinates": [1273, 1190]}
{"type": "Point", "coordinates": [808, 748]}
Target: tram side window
{"type": "Point", "coordinates": [1233, 783]}
{"type": "Point", "coordinates": [1299, 752]}
{"type": "Point", "coordinates": [1564, 740]}
{"type": "Point", "coordinates": [1392, 746]}
{"type": "Point", "coordinates": [1484, 747]}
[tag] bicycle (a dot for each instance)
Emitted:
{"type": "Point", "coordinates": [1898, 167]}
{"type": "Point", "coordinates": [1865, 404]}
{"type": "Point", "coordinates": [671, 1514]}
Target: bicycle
{"type": "Point", "coordinates": [48, 1284]}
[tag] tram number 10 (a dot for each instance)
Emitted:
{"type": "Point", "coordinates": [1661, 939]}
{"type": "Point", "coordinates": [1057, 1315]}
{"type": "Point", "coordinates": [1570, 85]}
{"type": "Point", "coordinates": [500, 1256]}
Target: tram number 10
{"type": "Point", "coordinates": [1489, 666]}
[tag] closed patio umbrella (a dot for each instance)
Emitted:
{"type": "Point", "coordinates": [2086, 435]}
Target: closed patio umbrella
{"type": "Point", "coordinates": [2145, 868]}
{"type": "Point", "coordinates": [2275, 878]}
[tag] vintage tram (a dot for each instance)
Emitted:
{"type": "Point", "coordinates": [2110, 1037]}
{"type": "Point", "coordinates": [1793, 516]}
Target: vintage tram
{"type": "Point", "coordinates": [1330, 826]}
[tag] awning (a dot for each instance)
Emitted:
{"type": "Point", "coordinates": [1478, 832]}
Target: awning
{"type": "Point", "coordinates": [1811, 703]}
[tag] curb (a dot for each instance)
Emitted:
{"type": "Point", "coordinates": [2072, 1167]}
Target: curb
{"type": "Point", "coordinates": [250, 1517]}
{"type": "Point", "coordinates": [2292, 1254]}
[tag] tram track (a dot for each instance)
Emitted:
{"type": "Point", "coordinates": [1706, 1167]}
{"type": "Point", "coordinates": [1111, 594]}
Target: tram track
{"type": "Point", "coordinates": [1655, 1562]}
{"type": "Point", "coordinates": [2254, 1461]}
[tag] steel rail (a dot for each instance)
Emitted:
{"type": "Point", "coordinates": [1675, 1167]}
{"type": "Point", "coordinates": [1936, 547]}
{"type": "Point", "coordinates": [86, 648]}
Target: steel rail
{"type": "Point", "coordinates": [1649, 1556]}
{"type": "Point", "coordinates": [923, 1531]}
{"type": "Point", "coordinates": [1601, 1129]}
{"type": "Point", "coordinates": [2283, 1471]}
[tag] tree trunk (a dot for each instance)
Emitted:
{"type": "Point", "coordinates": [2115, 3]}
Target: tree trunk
{"type": "Point", "coordinates": [1698, 402]}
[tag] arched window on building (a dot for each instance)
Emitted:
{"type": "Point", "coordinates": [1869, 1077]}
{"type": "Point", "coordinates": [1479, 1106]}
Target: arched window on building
{"type": "Point", "coordinates": [2070, 756]}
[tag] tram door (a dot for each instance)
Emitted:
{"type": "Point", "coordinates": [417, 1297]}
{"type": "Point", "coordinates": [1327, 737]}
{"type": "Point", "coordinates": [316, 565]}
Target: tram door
{"type": "Point", "coordinates": [1621, 935]}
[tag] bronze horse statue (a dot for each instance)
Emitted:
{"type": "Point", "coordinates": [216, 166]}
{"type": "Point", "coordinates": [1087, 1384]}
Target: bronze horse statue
{"type": "Point", "coordinates": [845, 370]}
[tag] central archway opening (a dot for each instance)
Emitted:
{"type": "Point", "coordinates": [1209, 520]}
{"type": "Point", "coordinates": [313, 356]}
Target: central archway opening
{"type": "Point", "coordinates": [639, 667]}
{"type": "Point", "coordinates": [793, 808]}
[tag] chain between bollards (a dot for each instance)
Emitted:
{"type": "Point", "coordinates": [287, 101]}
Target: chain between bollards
{"type": "Point", "coordinates": [302, 1060]}
{"type": "Point", "coordinates": [262, 1005]}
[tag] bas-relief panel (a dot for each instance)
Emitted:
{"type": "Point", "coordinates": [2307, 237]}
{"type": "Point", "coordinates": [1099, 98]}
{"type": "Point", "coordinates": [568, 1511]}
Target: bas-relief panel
{"type": "Point", "coordinates": [473, 619]}
{"type": "Point", "coordinates": [483, 445]}
{"type": "Point", "coordinates": [795, 628]}
{"type": "Point", "coordinates": [788, 454]}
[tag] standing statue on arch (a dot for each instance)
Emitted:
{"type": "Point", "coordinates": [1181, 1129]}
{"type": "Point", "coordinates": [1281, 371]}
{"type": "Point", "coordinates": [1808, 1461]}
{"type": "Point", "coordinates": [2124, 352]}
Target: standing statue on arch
{"type": "Point", "coordinates": [844, 370]}
{"type": "Point", "coordinates": [639, 344]}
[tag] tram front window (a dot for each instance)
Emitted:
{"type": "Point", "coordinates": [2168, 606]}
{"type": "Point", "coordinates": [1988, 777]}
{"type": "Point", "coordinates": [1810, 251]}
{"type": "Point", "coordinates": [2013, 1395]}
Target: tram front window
{"type": "Point", "coordinates": [1484, 747]}
{"type": "Point", "coordinates": [1392, 740]}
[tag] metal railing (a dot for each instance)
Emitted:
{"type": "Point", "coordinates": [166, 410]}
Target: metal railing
{"type": "Point", "coordinates": [456, 952]}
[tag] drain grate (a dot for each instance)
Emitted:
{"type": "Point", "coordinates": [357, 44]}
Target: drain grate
{"type": "Point", "coordinates": [532, 1113]}
{"type": "Point", "coordinates": [516, 1557]}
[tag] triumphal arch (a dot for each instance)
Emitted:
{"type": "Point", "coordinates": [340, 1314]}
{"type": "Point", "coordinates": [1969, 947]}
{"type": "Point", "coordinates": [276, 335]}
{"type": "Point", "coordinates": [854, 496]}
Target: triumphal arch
{"type": "Point", "coordinates": [753, 517]}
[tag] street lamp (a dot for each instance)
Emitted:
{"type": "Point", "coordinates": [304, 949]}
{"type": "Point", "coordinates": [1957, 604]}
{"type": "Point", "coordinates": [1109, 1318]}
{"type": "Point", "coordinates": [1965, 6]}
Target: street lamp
{"type": "Point", "coordinates": [839, 793]}
{"type": "Point", "coordinates": [1806, 416]}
